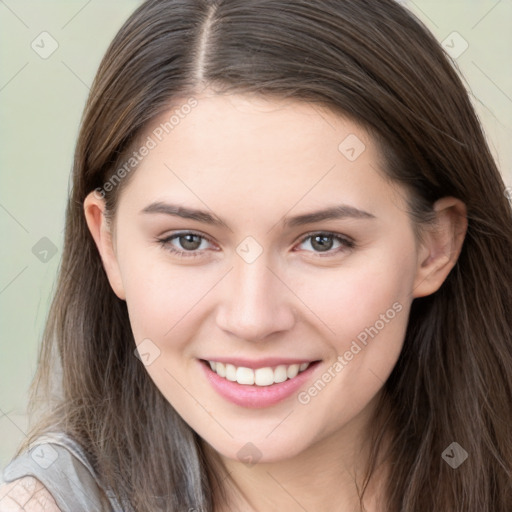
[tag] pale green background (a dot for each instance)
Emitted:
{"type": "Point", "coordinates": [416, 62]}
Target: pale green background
{"type": "Point", "coordinates": [40, 106]}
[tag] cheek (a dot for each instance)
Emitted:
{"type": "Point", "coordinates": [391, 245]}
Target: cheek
{"type": "Point", "coordinates": [367, 307]}
{"type": "Point", "coordinates": [368, 290]}
{"type": "Point", "coordinates": [161, 296]}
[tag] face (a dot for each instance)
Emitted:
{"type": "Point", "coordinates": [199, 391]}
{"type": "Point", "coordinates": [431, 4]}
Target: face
{"type": "Point", "coordinates": [261, 236]}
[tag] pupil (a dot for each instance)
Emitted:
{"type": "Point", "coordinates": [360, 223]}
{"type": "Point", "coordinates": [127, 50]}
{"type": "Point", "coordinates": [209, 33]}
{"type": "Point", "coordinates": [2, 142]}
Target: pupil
{"type": "Point", "coordinates": [322, 242]}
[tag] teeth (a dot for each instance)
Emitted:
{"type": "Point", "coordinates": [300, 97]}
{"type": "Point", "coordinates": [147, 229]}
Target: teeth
{"type": "Point", "coordinates": [263, 376]}
{"type": "Point", "coordinates": [280, 373]}
{"type": "Point", "coordinates": [292, 371]}
{"type": "Point", "coordinates": [245, 376]}
{"type": "Point", "coordinates": [230, 372]}
{"type": "Point", "coordinates": [259, 377]}
{"type": "Point", "coordinates": [220, 368]}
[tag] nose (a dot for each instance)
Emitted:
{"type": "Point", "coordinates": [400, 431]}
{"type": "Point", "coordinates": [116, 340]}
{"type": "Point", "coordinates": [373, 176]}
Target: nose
{"type": "Point", "coordinates": [256, 303]}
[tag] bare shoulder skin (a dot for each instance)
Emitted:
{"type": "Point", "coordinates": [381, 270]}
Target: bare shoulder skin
{"type": "Point", "coordinates": [26, 494]}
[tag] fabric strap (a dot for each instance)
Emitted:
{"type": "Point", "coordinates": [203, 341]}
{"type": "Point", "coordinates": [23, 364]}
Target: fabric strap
{"type": "Point", "coordinates": [61, 465]}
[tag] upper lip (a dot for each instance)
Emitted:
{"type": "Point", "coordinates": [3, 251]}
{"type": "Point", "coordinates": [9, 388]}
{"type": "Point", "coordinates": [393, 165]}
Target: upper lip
{"type": "Point", "coordinates": [259, 363]}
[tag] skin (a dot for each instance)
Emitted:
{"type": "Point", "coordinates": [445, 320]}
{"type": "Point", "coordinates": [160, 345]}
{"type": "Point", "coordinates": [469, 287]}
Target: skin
{"type": "Point", "coordinates": [27, 494]}
{"type": "Point", "coordinates": [253, 162]}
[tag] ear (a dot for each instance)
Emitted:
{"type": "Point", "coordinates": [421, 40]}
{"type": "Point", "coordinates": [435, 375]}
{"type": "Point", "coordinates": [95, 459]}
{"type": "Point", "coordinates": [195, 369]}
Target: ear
{"type": "Point", "coordinates": [440, 246]}
{"type": "Point", "coordinates": [94, 209]}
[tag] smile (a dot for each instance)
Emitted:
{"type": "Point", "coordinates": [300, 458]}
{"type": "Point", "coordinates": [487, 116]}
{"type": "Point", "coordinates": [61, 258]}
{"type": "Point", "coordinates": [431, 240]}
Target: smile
{"type": "Point", "coordinates": [267, 383]}
{"type": "Point", "coordinates": [258, 377]}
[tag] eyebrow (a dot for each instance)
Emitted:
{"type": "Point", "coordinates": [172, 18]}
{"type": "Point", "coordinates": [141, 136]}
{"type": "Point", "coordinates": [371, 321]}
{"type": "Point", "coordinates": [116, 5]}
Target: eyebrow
{"type": "Point", "coordinates": [330, 213]}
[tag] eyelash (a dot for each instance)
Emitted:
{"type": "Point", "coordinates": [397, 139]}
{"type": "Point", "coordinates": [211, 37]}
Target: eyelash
{"type": "Point", "coordinates": [346, 243]}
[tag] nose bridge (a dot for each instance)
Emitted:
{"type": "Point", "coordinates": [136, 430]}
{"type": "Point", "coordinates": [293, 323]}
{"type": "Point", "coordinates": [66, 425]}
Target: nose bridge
{"type": "Point", "coordinates": [256, 303]}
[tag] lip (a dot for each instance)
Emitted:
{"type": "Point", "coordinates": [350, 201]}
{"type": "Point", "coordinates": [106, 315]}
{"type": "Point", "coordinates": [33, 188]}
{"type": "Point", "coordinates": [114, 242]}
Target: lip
{"type": "Point", "coordinates": [257, 397]}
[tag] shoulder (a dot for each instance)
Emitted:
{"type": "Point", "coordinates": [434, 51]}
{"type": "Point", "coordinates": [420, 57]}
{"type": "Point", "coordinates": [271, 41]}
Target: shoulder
{"type": "Point", "coordinates": [55, 474]}
{"type": "Point", "coordinates": [26, 494]}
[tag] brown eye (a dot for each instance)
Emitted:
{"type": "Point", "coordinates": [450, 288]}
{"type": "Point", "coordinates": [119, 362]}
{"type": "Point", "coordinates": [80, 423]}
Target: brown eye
{"type": "Point", "coordinates": [189, 242]}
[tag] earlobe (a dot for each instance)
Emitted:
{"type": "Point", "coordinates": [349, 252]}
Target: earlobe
{"type": "Point", "coordinates": [94, 210]}
{"type": "Point", "coordinates": [441, 246]}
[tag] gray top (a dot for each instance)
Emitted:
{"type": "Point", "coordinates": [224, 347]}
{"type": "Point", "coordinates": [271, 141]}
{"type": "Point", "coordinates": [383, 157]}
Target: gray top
{"type": "Point", "coordinates": [61, 465]}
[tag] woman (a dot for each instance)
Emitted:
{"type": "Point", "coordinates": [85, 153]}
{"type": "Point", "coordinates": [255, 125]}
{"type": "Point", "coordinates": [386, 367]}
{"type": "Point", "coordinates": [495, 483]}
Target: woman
{"type": "Point", "coordinates": [286, 282]}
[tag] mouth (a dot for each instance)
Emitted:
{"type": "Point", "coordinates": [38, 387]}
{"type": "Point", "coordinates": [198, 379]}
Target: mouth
{"type": "Point", "coordinates": [264, 376]}
{"type": "Point", "coordinates": [258, 387]}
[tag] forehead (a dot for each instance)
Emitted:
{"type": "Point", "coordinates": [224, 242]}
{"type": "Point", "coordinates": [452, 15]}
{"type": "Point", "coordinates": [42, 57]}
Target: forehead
{"type": "Point", "coordinates": [257, 153]}
{"type": "Point", "coordinates": [238, 123]}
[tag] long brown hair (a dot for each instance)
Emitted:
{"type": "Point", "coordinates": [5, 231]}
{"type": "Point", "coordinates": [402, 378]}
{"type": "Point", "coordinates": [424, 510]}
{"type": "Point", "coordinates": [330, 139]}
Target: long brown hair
{"type": "Point", "coordinates": [378, 65]}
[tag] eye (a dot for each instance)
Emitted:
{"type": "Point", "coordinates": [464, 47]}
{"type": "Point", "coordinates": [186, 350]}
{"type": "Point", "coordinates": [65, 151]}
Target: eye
{"type": "Point", "coordinates": [327, 243]}
{"type": "Point", "coordinates": [190, 244]}
{"type": "Point", "coordinates": [186, 244]}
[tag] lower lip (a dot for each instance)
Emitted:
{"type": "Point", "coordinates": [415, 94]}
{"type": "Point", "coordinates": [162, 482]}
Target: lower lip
{"type": "Point", "coordinates": [256, 397]}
